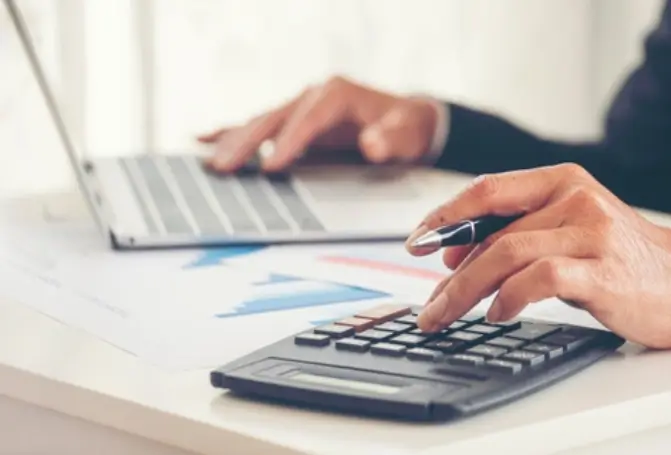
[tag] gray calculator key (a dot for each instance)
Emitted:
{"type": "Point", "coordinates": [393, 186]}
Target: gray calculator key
{"type": "Point", "coordinates": [423, 354]}
{"type": "Point", "coordinates": [508, 343]}
{"type": "Point", "coordinates": [525, 357]}
{"type": "Point", "coordinates": [487, 351]}
{"type": "Point", "coordinates": [408, 339]}
{"type": "Point", "coordinates": [374, 335]}
{"type": "Point", "coordinates": [504, 366]}
{"type": "Point", "coordinates": [529, 332]}
{"type": "Point", "coordinates": [549, 350]}
{"type": "Point", "coordinates": [465, 359]}
{"type": "Point", "coordinates": [312, 339]}
{"type": "Point", "coordinates": [353, 345]}
{"type": "Point", "coordinates": [388, 349]}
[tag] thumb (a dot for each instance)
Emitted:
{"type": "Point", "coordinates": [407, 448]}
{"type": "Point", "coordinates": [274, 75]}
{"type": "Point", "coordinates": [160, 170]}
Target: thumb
{"type": "Point", "coordinates": [396, 135]}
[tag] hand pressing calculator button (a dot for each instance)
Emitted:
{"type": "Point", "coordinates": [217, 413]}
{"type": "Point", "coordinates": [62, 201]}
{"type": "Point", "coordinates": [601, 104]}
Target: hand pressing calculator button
{"type": "Point", "coordinates": [378, 362]}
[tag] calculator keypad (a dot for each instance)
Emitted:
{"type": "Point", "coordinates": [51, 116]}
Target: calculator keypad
{"type": "Point", "coordinates": [391, 331]}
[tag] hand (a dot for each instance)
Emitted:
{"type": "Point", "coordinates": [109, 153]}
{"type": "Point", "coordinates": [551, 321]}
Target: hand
{"type": "Point", "coordinates": [339, 115]}
{"type": "Point", "coordinates": [576, 241]}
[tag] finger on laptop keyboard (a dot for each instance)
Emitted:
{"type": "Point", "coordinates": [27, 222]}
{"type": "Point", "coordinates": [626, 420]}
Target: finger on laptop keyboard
{"type": "Point", "coordinates": [320, 110]}
{"type": "Point", "coordinates": [213, 136]}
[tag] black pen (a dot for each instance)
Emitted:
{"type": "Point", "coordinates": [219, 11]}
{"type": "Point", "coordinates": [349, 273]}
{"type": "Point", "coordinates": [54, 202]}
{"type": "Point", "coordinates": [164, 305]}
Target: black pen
{"type": "Point", "coordinates": [465, 232]}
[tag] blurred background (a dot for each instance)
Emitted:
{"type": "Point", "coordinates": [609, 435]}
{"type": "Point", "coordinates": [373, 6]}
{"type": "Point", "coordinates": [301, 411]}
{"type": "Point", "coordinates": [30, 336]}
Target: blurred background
{"type": "Point", "coordinates": [150, 75]}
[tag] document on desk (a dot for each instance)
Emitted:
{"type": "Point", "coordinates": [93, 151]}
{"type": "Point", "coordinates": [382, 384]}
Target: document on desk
{"type": "Point", "coordinates": [180, 309]}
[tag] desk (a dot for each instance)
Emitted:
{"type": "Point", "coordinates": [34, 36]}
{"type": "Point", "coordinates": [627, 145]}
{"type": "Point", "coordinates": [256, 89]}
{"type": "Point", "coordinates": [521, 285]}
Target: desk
{"type": "Point", "coordinates": [620, 401]}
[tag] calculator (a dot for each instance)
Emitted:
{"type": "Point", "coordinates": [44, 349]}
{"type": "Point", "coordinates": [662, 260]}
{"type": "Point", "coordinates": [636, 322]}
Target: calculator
{"type": "Point", "coordinates": [379, 363]}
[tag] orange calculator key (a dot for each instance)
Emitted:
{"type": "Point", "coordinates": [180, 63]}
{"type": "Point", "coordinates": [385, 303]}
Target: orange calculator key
{"type": "Point", "coordinates": [384, 313]}
{"type": "Point", "coordinates": [359, 324]}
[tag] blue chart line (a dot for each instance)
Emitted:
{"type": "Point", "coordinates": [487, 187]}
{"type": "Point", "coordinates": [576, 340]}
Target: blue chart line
{"type": "Point", "coordinates": [329, 294]}
{"type": "Point", "coordinates": [218, 256]}
{"type": "Point", "coordinates": [283, 292]}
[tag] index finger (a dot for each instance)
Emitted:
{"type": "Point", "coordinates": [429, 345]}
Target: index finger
{"type": "Point", "coordinates": [503, 194]}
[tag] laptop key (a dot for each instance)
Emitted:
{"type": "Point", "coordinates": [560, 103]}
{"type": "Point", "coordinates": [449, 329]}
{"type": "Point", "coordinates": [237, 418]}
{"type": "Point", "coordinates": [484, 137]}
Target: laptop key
{"type": "Point", "coordinates": [205, 218]}
{"type": "Point", "coordinates": [262, 204]}
{"type": "Point", "coordinates": [225, 194]}
{"type": "Point", "coordinates": [300, 212]}
{"type": "Point", "coordinates": [171, 215]}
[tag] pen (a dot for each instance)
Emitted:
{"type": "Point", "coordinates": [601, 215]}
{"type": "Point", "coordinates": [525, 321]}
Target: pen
{"type": "Point", "coordinates": [465, 232]}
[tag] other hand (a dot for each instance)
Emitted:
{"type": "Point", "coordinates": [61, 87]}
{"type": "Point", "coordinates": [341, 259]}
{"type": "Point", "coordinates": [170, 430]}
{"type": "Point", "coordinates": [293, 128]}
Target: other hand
{"type": "Point", "coordinates": [338, 115]}
{"type": "Point", "coordinates": [576, 241]}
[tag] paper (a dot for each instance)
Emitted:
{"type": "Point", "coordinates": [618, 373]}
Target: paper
{"type": "Point", "coordinates": [194, 308]}
{"type": "Point", "coordinates": [177, 308]}
{"type": "Point", "coordinates": [384, 266]}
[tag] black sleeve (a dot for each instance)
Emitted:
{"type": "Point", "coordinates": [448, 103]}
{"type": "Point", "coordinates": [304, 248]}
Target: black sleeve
{"type": "Point", "coordinates": [632, 160]}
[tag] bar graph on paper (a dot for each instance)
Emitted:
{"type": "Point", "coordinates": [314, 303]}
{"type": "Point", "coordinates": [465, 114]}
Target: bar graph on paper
{"type": "Point", "coordinates": [279, 292]}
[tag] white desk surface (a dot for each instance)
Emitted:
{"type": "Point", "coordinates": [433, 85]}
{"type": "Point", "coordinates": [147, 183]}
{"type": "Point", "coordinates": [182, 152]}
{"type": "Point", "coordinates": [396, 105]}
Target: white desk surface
{"type": "Point", "coordinates": [48, 364]}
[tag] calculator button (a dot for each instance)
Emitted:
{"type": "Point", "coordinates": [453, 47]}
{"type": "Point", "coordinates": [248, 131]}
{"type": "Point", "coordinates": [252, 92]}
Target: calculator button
{"type": "Point", "coordinates": [509, 343]}
{"type": "Point", "coordinates": [550, 351]}
{"type": "Point", "coordinates": [509, 325]}
{"type": "Point", "coordinates": [570, 339]}
{"type": "Point", "coordinates": [408, 319]}
{"type": "Point", "coordinates": [422, 354]}
{"type": "Point", "coordinates": [408, 339]}
{"type": "Point", "coordinates": [395, 350]}
{"type": "Point", "coordinates": [487, 351]}
{"type": "Point", "coordinates": [464, 336]}
{"type": "Point", "coordinates": [531, 332]}
{"type": "Point", "coordinates": [335, 331]}
{"type": "Point", "coordinates": [456, 325]}
{"type": "Point", "coordinates": [484, 329]}
{"type": "Point", "coordinates": [472, 318]}
{"type": "Point", "coordinates": [465, 359]}
{"type": "Point", "coordinates": [374, 335]}
{"type": "Point", "coordinates": [384, 313]}
{"type": "Point", "coordinates": [445, 346]}
{"type": "Point", "coordinates": [528, 358]}
{"type": "Point", "coordinates": [312, 339]}
{"type": "Point", "coordinates": [392, 327]}
{"type": "Point", "coordinates": [352, 344]}
{"type": "Point", "coordinates": [358, 324]}
{"type": "Point", "coordinates": [504, 366]}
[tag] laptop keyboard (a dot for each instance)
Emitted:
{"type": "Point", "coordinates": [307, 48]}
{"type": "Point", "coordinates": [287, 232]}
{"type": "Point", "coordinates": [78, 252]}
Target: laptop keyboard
{"type": "Point", "coordinates": [178, 195]}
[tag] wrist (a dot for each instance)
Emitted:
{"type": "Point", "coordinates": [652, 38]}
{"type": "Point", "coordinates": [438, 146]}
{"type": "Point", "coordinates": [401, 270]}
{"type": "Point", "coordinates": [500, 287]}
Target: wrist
{"type": "Point", "coordinates": [439, 130]}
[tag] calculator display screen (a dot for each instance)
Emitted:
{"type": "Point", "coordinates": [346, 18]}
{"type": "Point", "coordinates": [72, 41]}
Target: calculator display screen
{"type": "Point", "coordinates": [346, 383]}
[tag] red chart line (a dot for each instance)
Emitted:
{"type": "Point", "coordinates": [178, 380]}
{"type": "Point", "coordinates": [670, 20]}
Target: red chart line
{"type": "Point", "coordinates": [384, 267]}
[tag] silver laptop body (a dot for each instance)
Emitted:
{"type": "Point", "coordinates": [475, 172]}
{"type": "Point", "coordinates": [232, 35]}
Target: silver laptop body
{"type": "Point", "coordinates": [158, 200]}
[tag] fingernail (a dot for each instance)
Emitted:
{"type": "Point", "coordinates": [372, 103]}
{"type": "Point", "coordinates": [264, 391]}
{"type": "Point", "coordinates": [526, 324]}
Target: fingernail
{"type": "Point", "coordinates": [433, 313]}
{"type": "Point", "coordinates": [420, 231]}
{"type": "Point", "coordinates": [494, 313]}
{"type": "Point", "coordinates": [375, 143]}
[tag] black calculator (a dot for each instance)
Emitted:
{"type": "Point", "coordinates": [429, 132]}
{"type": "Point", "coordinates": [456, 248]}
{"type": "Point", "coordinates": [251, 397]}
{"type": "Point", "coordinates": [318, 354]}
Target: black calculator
{"type": "Point", "coordinates": [378, 363]}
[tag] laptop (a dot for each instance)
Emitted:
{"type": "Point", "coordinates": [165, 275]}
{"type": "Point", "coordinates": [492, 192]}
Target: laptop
{"type": "Point", "coordinates": [158, 200]}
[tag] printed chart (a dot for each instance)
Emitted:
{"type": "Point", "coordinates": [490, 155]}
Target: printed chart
{"type": "Point", "coordinates": [279, 292]}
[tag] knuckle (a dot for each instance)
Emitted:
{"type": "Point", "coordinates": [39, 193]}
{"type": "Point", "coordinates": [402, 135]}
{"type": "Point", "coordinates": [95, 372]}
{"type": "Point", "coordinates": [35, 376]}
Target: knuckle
{"type": "Point", "coordinates": [574, 171]}
{"type": "Point", "coordinates": [588, 202]}
{"type": "Point", "coordinates": [510, 247]}
{"type": "Point", "coordinates": [549, 273]}
{"type": "Point", "coordinates": [485, 186]}
{"type": "Point", "coordinates": [337, 83]}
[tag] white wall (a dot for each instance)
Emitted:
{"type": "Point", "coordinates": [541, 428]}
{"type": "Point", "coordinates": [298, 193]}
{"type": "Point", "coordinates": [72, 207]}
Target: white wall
{"type": "Point", "coordinates": [550, 65]}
